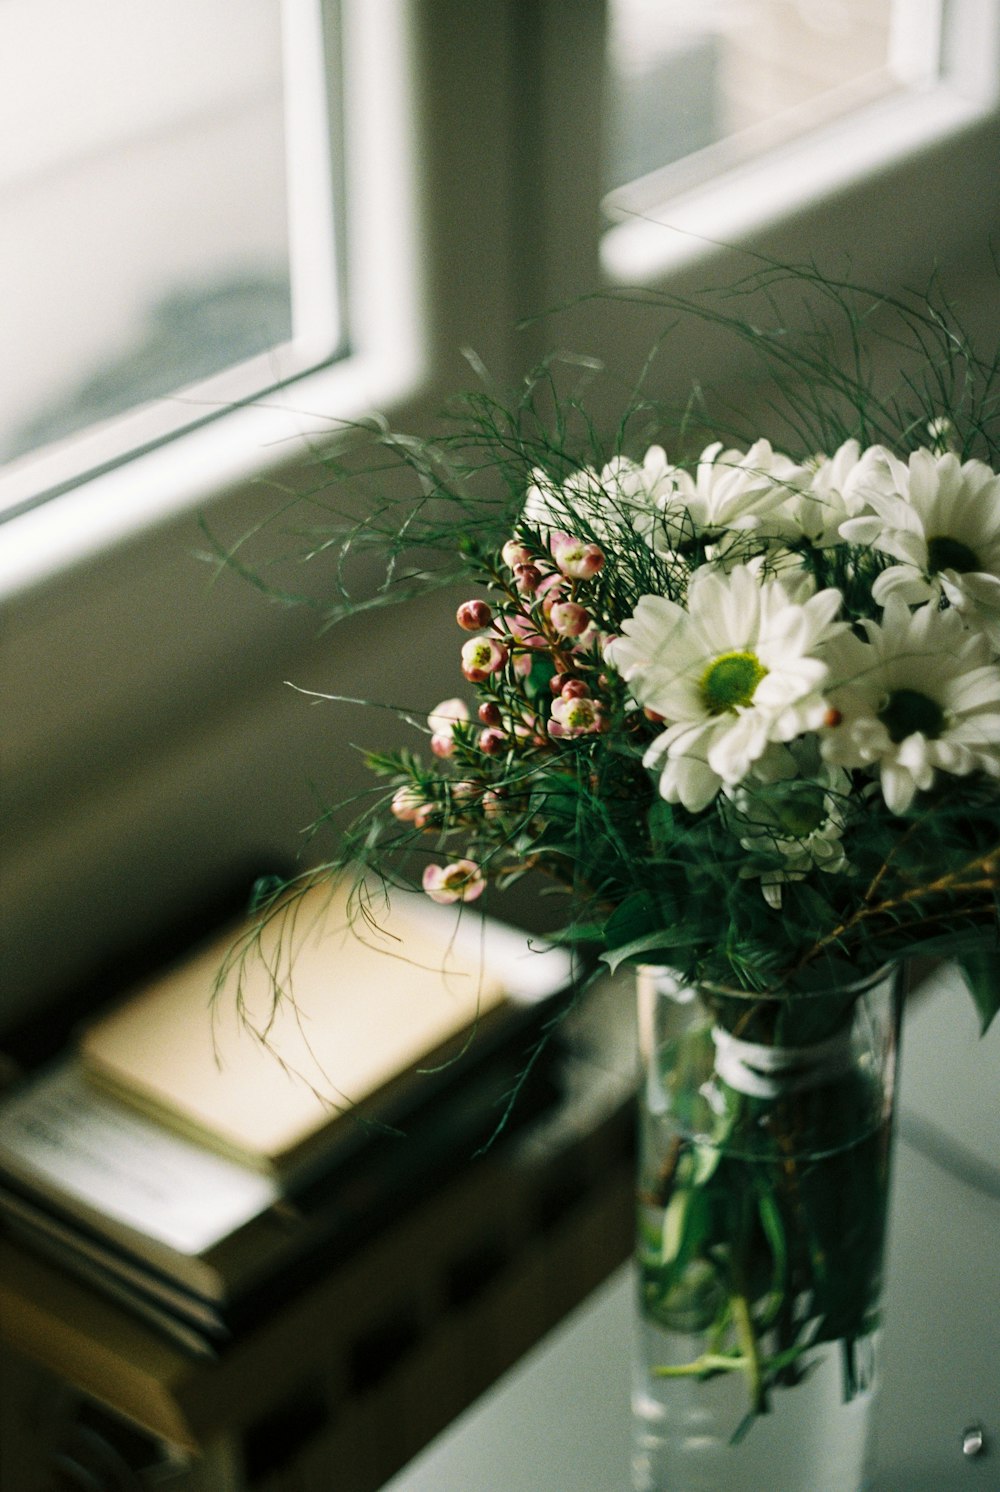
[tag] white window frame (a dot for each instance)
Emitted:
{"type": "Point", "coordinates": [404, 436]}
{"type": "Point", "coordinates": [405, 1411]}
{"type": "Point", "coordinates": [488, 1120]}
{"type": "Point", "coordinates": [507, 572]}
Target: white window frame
{"type": "Point", "coordinates": [151, 738]}
{"type": "Point", "coordinates": [317, 332]}
{"type": "Point", "coordinates": [786, 184]}
{"type": "Point", "coordinates": [384, 363]}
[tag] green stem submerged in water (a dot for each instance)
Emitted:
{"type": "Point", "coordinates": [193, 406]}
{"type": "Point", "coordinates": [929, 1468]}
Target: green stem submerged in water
{"type": "Point", "coordinates": [763, 1221]}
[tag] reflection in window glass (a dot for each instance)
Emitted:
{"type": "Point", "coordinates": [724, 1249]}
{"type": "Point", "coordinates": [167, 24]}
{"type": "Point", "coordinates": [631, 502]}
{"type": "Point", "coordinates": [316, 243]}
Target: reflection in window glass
{"type": "Point", "coordinates": [697, 86]}
{"type": "Point", "coordinates": [147, 241]}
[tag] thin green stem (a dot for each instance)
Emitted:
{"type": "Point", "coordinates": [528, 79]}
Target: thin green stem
{"type": "Point", "coordinates": [708, 1362]}
{"type": "Point", "coordinates": [751, 1353]}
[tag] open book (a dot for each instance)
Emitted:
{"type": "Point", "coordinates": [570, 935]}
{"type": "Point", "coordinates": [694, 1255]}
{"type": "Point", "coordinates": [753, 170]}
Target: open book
{"type": "Point", "coordinates": [370, 1019]}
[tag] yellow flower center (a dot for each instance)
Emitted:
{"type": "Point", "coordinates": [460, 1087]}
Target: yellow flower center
{"type": "Point", "coordinates": [801, 814]}
{"type": "Point", "coordinates": [729, 681]}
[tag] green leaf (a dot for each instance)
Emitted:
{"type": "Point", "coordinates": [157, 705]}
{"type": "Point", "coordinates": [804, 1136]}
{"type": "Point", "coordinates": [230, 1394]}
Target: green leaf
{"type": "Point", "coordinates": [770, 1218]}
{"type": "Point", "coordinates": [707, 1158]}
{"type": "Point", "coordinates": [537, 682]}
{"type": "Point", "coordinates": [673, 1226]}
{"type": "Point", "coordinates": [661, 826]}
{"type": "Point", "coordinates": [662, 941]}
{"type": "Point", "coordinates": [577, 932]}
{"type": "Point", "coordinates": [640, 913]}
{"type": "Point", "coordinates": [980, 969]}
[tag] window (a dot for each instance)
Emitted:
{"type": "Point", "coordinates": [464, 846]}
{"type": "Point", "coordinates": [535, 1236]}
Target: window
{"type": "Point", "coordinates": [774, 105]}
{"type": "Point", "coordinates": [698, 87]}
{"type": "Point", "coordinates": [166, 176]}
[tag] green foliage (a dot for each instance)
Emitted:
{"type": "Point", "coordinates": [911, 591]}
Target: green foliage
{"type": "Point", "coordinates": [980, 969]}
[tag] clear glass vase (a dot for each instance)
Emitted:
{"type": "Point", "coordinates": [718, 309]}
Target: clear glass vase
{"type": "Point", "coordinates": [764, 1148]}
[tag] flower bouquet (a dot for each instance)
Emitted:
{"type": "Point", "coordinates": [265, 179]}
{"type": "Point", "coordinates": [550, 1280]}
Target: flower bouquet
{"type": "Point", "coordinates": [740, 705]}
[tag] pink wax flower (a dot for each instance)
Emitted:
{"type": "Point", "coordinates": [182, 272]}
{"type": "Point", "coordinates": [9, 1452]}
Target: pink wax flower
{"type": "Point", "coordinates": [569, 619]}
{"type": "Point", "coordinates": [442, 722]}
{"type": "Point", "coordinates": [576, 716]}
{"type": "Point", "coordinates": [462, 880]}
{"type": "Point", "coordinates": [472, 615]}
{"type": "Point", "coordinates": [482, 656]}
{"type": "Point", "coordinates": [576, 558]}
{"type": "Point", "coordinates": [410, 807]}
{"type": "Point", "coordinates": [524, 631]}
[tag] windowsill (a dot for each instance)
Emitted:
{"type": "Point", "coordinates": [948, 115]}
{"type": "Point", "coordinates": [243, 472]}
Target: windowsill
{"type": "Point", "coordinates": [698, 224]}
{"type": "Point", "coordinates": [192, 469]}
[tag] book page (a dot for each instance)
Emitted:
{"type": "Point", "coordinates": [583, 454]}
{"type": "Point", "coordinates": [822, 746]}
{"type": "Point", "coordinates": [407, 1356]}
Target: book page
{"type": "Point", "coordinates": [357, 1009]}
{"type": "Point", "coordinates": [68, 1141]}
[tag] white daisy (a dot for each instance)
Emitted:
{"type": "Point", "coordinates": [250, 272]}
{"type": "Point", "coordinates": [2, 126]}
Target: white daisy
{"type": "Point", "coordinates": [600, 503]}
{"type": "Point", "coordinates": [659, 494]}
{"type": "Point", "coordinates": [735, 670]}
{"type": "Point", "coordinates": [743, 490]}
{"type": "Point", "coordinates": [940, 519]}
{"type": "Point", "coordinates": [838, 488]}
{"type": "Point", "coordinates": [728, 490]}
{"type": "Point", "coordinates": [799, 820]}
{"type": "Point", "coordinates": [922, 695]}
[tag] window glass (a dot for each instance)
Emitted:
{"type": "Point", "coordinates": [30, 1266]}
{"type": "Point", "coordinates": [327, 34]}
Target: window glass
{"type": "Point", "coordinates": [149, 256]}
{"type": "Point", "coordinates": [698, 86]}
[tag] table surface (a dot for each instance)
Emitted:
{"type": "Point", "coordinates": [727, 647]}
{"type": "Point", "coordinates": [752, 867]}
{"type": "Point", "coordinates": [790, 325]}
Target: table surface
{"type": "Point", "coordinates": [559, 1420]}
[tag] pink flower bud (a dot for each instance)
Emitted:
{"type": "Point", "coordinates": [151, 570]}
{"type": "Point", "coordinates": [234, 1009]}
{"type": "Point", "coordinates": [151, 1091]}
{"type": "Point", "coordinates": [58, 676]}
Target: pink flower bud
{"type": "Point", "coordinates": [575, 557]}
{"type": "Point", "coordinates": [410, 807]}
{"type": "Point", "coordinates": [482, 656]}
{"type": "Point", "coordinates": [569, 619]}
{"type": "Point", "coordinates": [575, 689]}
{"type": "Point", "coordinates": [472, 615]}
{"type": "Point", "coordinates": [465, 792]}
{"type": "Point", "coordinates": [527, 578]}
{"type": "Point", "coordinates": [492, 741]}
{"type": "Point", "coordinates": [493, 805]}
{"type": "Point", "coordinates": [515, 553]}
{"type": "Point", "coordinates": [462, 880]}
{"type": "Point", "coordinates": [489, 713]}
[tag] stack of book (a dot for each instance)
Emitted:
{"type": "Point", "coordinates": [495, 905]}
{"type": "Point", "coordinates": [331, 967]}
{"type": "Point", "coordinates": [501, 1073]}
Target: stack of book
{"type": "Point", "coordinates": [200, 1150]}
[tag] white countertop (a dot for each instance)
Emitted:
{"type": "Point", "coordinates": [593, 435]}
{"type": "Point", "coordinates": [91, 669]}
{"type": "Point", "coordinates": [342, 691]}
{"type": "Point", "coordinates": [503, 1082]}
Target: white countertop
{"type": "Point", "coordinates": [559, 1420]}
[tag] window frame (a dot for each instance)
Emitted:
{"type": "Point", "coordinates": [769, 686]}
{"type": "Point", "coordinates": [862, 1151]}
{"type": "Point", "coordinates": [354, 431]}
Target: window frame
{"type": "Point", "coordinates": [382, 363]}
{"type": "Point", "coordinates": [837, 161]}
